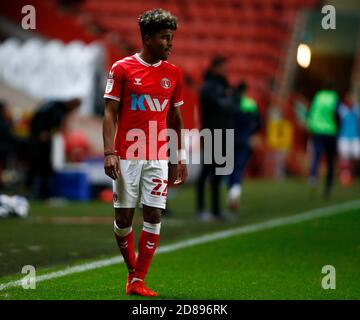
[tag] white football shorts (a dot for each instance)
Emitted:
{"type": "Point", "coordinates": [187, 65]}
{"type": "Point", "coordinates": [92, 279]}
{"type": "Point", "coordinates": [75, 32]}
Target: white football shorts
{"type": "Point", "coordinates": [142, 182]}
{"type": "Point", "coordinates": [349, 148]}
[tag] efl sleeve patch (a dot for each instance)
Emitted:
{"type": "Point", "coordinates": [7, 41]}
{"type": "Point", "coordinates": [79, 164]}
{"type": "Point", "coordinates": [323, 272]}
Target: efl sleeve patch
{"type": "Point", "coordinates": [115, 82]}
{"type": "Point", "coordinates": [109, 85]}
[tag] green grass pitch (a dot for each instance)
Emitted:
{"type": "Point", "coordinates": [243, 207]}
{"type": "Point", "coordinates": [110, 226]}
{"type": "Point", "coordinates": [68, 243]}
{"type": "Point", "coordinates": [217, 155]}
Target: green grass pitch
{"type": "Point", "coordinates": [283, 262]}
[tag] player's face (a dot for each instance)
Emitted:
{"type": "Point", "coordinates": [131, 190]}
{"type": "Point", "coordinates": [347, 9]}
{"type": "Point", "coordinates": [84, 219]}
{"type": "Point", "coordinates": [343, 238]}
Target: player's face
{"type": "Point", "coordinates": [160, 44]}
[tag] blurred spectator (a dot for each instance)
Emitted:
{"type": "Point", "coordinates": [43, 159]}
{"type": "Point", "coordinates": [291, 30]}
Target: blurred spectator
{"type": "Point", "coordinates": [246, 125]}
{"type": "Point", "coordinates": [216, 101]}
{"type": "Point", "coordinates": [48, 119]}
{"type": "Point", "coordinates": [349, 138]}
{"type": "Point", "coordinates": [323, 122]}
{"type": "Point", "coordinates": [10, 144]}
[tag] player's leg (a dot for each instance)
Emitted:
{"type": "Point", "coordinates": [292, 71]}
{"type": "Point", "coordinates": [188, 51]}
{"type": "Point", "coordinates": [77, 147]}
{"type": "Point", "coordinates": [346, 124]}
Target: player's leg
{"type": "Point", "coordinates": [330, 149]}
{"type": "Point", "coordinates": [202, 215]}
{"type": "Point", "coordinates": [242, 155]}
{"type": "Point", "coordinates": [125, 197]}
{"type": "Point", "coordinates": [148, 241]}
{"type": "Point", "coordinates": [317, 147]}
{"type": "Point", "coordinates": [200, 188]}
{"type": "Point", "coordinates": [153, 198]}
{"type": "Point", "coordinates": [234, 187]}
{"type": "Point", "coordinates": [215, 192]}
{"type": "Point", "coordinates": [124, 236]}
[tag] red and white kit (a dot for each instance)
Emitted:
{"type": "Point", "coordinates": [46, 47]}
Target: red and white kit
{"type": "Point", "coordinates": [146, 92]}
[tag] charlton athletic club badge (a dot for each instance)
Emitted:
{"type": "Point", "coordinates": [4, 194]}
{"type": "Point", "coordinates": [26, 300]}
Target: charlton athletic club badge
{"type": "Point", "coordinates": [165, 83]}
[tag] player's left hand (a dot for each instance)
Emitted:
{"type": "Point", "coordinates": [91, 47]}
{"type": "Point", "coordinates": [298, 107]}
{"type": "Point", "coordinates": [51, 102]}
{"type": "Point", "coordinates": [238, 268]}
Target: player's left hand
{"type": "Point", "coordinates": [172, 174]}
{"type": "Point", "coordinates": [181, 174]}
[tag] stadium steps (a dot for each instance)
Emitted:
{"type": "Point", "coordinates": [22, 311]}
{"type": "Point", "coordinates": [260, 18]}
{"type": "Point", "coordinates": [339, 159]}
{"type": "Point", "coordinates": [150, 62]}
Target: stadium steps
{"type": "Point", "coordinates": [252, 33]}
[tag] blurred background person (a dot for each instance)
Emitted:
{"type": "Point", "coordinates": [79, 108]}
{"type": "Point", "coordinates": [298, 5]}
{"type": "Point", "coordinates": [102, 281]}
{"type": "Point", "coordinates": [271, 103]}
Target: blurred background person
{"type": "Point", "coordinates": [217, 102]}
{"type": "Point", "coordinates": [349, 139]}
{"type": "Point", "coordinates": [48, 119]}
{"type": "Point", "coordinates": [10, 144]}
{"type": "Point", "coordinates": [246, 122]}
{"type": "Point", "coordinates": [323, 123]}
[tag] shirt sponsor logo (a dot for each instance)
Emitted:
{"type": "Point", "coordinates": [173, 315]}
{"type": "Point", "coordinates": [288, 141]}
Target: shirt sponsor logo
{"type": "Point", "coordinates": [153, 104]}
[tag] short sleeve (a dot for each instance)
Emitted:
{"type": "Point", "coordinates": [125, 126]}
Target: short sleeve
{"type": "Point", "coordinates": [177, 98]}
{"type": "Point", "coordinates": [114, 82]}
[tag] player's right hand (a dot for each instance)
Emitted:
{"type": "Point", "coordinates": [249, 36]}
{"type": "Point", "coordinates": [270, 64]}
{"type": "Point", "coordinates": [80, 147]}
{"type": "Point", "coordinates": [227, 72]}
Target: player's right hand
{"type": "Point", "coordinates": [112, 167]}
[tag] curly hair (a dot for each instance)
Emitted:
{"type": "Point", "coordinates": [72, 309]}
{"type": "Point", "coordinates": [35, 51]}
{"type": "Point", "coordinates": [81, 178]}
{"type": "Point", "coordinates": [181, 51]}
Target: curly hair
{"type": "Point", "coordinates": [154, 20]}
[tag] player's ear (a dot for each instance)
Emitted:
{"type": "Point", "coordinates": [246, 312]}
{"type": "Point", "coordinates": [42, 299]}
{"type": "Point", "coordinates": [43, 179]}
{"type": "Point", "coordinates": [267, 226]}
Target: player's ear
{"type": "Point", "coordinates": [147, 39]}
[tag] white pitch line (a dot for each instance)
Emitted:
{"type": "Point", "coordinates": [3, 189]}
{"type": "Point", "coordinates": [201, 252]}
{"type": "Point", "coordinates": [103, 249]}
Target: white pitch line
{"type": "Point", "coordinates": [273, 223]}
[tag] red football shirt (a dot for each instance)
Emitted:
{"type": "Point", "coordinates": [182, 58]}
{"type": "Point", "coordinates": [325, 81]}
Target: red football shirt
{"type": "Point", "coordinates": [146, 92]}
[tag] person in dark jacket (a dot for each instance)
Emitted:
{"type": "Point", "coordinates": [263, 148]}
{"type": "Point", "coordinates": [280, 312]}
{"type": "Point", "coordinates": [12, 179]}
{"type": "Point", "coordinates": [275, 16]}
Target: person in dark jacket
{"type": "Point", "coordinates": [10, 144]}
{"type": "Point", "coordinates": [246, 123]}
{"type": "Point", "coordinates": [217, 103]}
{"type": "Point", "coordinates": [48, 118]}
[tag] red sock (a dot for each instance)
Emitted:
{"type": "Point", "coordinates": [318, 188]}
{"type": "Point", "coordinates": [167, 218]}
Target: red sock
{"type": "Point", "coordinates": [147, 245]}
{"type": "Point", "coordinates": [127, 248]}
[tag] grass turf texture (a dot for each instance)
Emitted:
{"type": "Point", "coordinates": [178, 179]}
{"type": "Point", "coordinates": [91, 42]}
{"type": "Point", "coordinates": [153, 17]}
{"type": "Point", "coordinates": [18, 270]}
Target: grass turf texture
{"type": "Point", "coordinates": [281, 263]}
{"type": "Point", "coordinates": [54, 243]}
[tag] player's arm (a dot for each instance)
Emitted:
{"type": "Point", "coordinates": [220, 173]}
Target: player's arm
{"type": "Point", "coordinates": [177, 171]}
{"type": "Point", "coordinates": [111, 162]}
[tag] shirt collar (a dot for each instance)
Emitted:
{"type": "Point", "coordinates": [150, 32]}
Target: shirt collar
{"type": "Point", "coordinates": [137, 57]}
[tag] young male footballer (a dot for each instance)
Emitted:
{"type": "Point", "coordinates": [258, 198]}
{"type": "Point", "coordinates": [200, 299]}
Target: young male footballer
{"type": "Point", "coordinates": [142, 99]}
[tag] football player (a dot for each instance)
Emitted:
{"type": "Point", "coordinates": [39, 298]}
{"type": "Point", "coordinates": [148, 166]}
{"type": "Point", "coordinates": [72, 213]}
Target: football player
{"type": "Point", "coordinates": [142, 99]}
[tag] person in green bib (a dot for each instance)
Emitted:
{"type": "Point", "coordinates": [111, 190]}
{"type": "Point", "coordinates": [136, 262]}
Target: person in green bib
{"type": "Point", "coordinates": [323, 123]}
{"type": "Point", "coordinates": [246, 123]}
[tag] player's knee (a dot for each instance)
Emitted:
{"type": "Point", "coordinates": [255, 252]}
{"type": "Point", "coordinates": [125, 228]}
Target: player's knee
{"type": "Point", "coordinates": [123, 218]}
{"type": "Point", "coordinates": [152, 215]}
{"type": "Point", "coordinates": [123, 223]}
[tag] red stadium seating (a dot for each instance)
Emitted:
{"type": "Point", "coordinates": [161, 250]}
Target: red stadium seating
{"type": "Point", "coordinates": [254, 34]}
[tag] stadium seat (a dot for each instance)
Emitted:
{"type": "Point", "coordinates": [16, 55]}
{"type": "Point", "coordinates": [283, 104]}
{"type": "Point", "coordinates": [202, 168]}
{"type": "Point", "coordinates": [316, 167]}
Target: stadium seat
{"type": "Point", "coordinates": [248, 31]}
